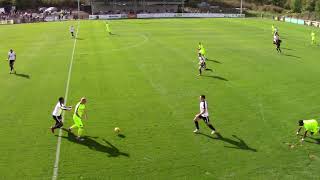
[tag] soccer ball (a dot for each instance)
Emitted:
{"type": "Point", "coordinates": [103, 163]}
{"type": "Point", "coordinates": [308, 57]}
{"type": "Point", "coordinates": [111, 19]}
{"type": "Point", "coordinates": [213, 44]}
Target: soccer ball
{"type": "Point", "coordinates": [116, 129]}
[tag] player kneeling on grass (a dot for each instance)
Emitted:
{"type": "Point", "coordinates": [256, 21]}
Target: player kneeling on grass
{"type": "Point", "coordinates": [311, 126]}
{"type": "Point", "coordinates": [57, 114]}
{"type": "Point", "coordinates": [78, 115]}
{"type": "Point", "coordinates": [204, 115]}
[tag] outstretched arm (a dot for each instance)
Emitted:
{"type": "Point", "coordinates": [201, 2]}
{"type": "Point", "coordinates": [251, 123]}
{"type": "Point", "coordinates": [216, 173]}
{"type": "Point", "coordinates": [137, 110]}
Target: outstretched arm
{"type": "Point", "coordinates": [68, 108]}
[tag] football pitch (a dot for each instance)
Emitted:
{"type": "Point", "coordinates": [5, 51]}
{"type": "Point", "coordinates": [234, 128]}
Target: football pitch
{"type": "Point", "coordinates": [144, 80]}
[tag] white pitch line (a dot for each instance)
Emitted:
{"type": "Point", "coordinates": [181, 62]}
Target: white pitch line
{"type": "Point", "coordinates": [56, 163]}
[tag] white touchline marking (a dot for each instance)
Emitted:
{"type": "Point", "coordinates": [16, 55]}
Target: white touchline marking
{"type": "Point", "coordinates": [56, 163]}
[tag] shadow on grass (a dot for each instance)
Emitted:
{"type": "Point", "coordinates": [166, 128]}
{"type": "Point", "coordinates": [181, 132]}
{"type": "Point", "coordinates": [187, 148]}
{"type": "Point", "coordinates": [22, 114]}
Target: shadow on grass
{"type": "Point", "coordinates": [287, 49]}
{"type": "Point", "coordinates": [238, 143]}
{"type": "Point", "coordinates": [92, 144]}
{"type": "Point", "coordinates": [316, 140]}
{"type": "Point", "coordinates": [79, 38]}
{"type": "Point", "coordinates": [215, 61]}
{"type": "Point", "coordinates": [22, 75]}
{"type": "Point", "coordinates": [216, 77]}
{"type": "Point", "coordinates": [290, 55]}
{"type": "Point", "coordinates": [121, 136]}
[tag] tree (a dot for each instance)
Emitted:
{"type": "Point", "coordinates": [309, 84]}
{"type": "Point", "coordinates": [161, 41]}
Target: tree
{"type": "Point", "coordinates": [317, 8]}
{"type": "Point", "coordinates": [278, 2]}
{"type": "Point", "coordinates": [26, 4]}
{"type": "Point", "coordinates": [6, 2]}
{"type": "Point", "coordinates": [310, 5]}
{"type": "Point", "coordinates": [296, 6]}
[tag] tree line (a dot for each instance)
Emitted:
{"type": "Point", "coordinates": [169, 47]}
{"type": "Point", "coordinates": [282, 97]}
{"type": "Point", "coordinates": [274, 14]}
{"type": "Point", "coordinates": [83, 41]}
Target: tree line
{"type": "Point", "coordinates": [295, 6]}
{"type": "Point", "coordinates": [31, 4]}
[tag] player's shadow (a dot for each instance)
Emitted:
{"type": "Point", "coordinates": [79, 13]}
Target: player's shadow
{"type": "Point", "coordinates": [92, 144]}
{"type": "Point", "coordinates": [22, 75]}
{"type": "Point", "coordinates": [316, 140]}
{"type": "Point", "coordinates": [287, 49]}
{"type": "Point", "coordinates": [112, 34]}
{"type": "Point", "coordinates": [79, 38]}
{"type": "Point", "coordinates": [121, 136]}
{"type": "Point", "coordinates": [290, 55]}
{"type": "Point", "coordinates": [215, 61]}
{"type": "Point", "coordinates": [237, 144]}
{"type": "Point", "coordinates": [216, 77]}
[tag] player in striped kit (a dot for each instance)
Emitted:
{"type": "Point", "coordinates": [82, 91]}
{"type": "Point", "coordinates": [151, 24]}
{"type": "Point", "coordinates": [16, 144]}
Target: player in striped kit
{"type": "Point", "coordinates": [204, 115]}
{"type": "Point", "coordinates": [57, 114]}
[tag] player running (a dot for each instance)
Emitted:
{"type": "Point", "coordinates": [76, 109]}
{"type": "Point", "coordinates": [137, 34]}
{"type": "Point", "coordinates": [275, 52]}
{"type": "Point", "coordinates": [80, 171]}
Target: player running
{"type": "Point", "coordinates": [202, 50]}
{"type": "Point", "coordinates": [108, 28]}
{"type": "Point", "coordinates": [72, 31]}
{"type": "Point", "coordinates": [202, 64]}
{"type": "Point", "coordinates": [273, 29]}
{"type": "Point", "coordinates": [57, 114]}
{"type": "Point", "coordinates": [277, 41]}
{"type": "Point", "coordinates": [311, 126]}
{"type": "Point", "coordinates": [204, 115]}
{"type": "Point", "coordinates": [313, 38]}
{"type": "Point", "coordinates": [78, 115]}
{"type": "Point", "coordinates": [12, 58]}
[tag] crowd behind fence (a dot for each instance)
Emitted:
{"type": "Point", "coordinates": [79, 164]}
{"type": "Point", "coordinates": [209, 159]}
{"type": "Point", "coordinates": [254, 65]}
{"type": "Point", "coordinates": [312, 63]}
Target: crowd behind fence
{"type": "Point", "coordinates": [31, 16]}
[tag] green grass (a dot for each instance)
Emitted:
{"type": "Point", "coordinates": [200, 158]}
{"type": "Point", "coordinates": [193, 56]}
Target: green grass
{"type": "Point", "coordinates": [144, 80]}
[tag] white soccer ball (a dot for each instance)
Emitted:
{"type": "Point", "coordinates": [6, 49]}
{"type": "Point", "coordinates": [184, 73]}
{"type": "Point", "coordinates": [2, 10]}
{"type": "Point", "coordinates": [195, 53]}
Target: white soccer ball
{"type": "Point", "coordinates": [116, 129]}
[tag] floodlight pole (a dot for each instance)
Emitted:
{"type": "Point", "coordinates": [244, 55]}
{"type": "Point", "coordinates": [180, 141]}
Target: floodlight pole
{"type": "Point", "coordinates": [182, 1]}
{"type": "Point", "coordinates": [241, 7]}
{"type": "Point", "coordinates": [78, 9]}
{"type": "Point", "coordinates": [91, 4]}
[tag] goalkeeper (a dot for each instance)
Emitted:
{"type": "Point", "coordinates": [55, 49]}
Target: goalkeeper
{"type": "Point", "coordinates": [311, 126]}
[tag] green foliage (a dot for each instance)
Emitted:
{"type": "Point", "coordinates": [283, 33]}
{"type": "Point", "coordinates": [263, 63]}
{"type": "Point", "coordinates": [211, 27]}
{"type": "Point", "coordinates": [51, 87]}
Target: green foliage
{"type": "Point", "coordinates": [310, 5]}
{"type": "Point", "coordinates": [296, 6]}
{"type": "Point", "coordinates": [5, 2]}
{"type": "Point", "coordinates": [317, 8]}
{"type": "Point", "coordinates": [278, 2]}
{"type": "Point", "coordinates": [27, 4]}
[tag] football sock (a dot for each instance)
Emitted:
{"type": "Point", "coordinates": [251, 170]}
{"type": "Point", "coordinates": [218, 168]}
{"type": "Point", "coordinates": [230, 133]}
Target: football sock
{"type": "Point", "coordinates": [73, 126]}
{"type": "Point", "coordinates": [211, 127]}
{"type": "Point", "coordinates": [80, 131]}
{"type": "Point", "coordinates": [197, 124]}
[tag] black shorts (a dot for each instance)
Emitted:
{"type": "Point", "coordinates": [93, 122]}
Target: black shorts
{"type": "Point", "coordinates": [58, 119]}
{"type": "Point", "coordinates": [11, 62]}
{"type": "Point", "coordinates": [202, 65]}
{"type": "Point", "coordinates": [206, 119]}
